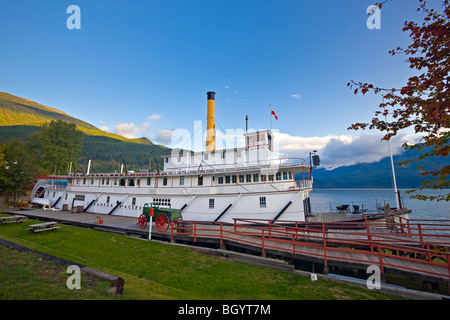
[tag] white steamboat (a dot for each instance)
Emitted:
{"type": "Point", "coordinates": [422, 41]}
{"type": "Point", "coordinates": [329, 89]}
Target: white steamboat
{"type": "Point", "coordinates": [213, 185]}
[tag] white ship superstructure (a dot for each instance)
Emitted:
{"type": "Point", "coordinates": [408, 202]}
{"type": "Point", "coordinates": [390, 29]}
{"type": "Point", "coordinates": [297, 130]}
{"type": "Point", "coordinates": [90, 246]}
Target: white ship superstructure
{"type": "Point", "coordinates": [212, 185]}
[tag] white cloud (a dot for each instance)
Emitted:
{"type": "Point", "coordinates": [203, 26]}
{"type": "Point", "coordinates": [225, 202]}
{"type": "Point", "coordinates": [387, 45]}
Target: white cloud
{"type": "Point", "coordinates": [129, 130]}
{"type": "Point", "coordinates": [343, 150]}
{"type": "Point", "coordinates": [363, 149]}
{"type": "Point", "coordinates": [296, 144]}
{"type": "Point", "coordinates": [154, 117]}
{"type": "Point", "coordinates": [103, 127]}
{"type": "Point", "coordinates": [164, 136]}
{"type": "Point", "coordinates": [234, 90]}
{"type": "Point", "coordinates": [334, 150]}
{"type": "Point", "coordinates": [296, 96]}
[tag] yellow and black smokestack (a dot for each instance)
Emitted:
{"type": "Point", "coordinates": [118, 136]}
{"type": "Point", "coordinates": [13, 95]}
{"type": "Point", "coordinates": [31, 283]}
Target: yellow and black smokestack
{"type": "Point", "coordinates": [210, 122]}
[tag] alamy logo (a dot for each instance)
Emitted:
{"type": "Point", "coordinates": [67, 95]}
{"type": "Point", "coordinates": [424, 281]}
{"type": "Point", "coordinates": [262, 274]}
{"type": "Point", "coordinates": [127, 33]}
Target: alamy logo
{"type": "Point", "coordinates": [374, 280]}
{"type": "Point", "coordinates": [374, 20]}
{"type": "Point", "coordinates": [73, 281]}
{"type": "Point", "coordinates": [74, 20]}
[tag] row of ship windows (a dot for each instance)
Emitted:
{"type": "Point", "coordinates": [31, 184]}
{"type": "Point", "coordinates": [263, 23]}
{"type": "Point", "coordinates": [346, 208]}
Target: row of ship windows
{"type": "Point", "coordinates": [163, 202]}
{"type": "Point", "coordinates": [286, 175]}
{"type": "Point", "coordinates": [247, 178]}
{"type": "Point", "coordinates": [262, 202]}
{"type": "Point", "coordinates": [222, 154]}
{"type": "Point", "coordinates": [121, 182]}
{"type": "Point", "coordinates": [241, 178]}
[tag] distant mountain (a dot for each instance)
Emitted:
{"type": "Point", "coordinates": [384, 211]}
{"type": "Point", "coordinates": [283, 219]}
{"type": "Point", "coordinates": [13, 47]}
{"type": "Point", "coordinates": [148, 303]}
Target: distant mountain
{"type": "Point", "coordinates": [20, 117]}
{"type": "Point", "coordinates": [20, 111]}
{"type": "Point", "coordinates": [377, 174]}
{"type": "Point", "coordinates": [17, 111]}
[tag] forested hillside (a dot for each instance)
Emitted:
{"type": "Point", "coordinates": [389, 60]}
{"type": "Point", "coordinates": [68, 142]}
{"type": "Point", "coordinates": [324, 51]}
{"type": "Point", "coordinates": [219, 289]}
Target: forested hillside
{"type": "Point", "coordinates": [107, 154]}
{"type": "Point", "coordinates": [16, 111]}
{"type": "Point", "coordinates": [21, 117]}
{"type": "Point", "coordinates": [19, 111]}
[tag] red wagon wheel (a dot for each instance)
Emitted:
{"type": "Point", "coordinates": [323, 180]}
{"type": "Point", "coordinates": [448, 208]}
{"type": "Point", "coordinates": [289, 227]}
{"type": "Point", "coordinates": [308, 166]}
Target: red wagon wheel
{"type": "Point", "coordinates": [142, 220]}
{"type": "Point", "coordinates": [162, 222]}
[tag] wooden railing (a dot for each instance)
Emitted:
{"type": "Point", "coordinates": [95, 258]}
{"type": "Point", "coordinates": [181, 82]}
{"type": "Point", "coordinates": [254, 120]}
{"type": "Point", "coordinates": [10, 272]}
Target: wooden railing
{"type": "Point", "coordinates": [398, 244]}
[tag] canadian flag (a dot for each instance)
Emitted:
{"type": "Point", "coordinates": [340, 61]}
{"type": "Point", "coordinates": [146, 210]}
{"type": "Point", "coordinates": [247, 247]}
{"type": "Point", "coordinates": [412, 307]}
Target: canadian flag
{"type": "Point", "coordinates": [273, 112]}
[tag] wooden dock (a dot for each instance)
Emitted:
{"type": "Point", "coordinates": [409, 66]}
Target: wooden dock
{"type": "Point", "coordinates": [396, 249]}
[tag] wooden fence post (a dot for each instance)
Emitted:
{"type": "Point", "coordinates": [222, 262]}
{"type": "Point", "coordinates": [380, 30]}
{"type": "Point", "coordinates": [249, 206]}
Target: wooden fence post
{"type": "Point", "coordinates": [221, 234]}
{"type": "Point", "coordinates": [325, 261]}
{"type": "Point", "coordinates": [419, 228]}
{"type": "Point", "coordinates": [293, 243]}
{"type": "Point", "coordinates": [380, 257]}
{"type": "Point", "coordinates": [195, 231]}
{"type": "Point", "coordinates": [447, 256]}
{"type": "Point", "coordinates": [263, 253]}
{"type": "Point", "coordinates": [369, 237]}
{"type": "Point", "coordinates": [388, 216]}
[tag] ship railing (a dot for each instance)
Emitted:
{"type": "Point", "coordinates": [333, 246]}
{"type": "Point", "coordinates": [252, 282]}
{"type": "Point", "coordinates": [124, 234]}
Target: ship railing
{"type": "Point", "coordinates": [114, 174]}
{"type": "Point", "coordinates": [422, 229]}
{"type": "Point", "coordinates": [304, 184]}
{"type": "Point", "coordinates": [50, 186]}
{"type": "Point", "coordinates": [274, 164]}
{"type": "Point", "coordinates": [269, 164]}
{"type": "Point", "coordinates": [354, 242]}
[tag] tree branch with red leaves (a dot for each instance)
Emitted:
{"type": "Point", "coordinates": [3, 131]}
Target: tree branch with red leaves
{"type": "Point", "coordinates": [423, 103]}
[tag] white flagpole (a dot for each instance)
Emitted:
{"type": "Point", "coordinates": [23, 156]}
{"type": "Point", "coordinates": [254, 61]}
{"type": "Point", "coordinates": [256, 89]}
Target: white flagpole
{"type": "Point", "coordinates": [270, 114]}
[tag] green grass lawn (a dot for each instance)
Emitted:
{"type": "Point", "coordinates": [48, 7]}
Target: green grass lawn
{"type": "Point", "coordinates": [25, 276]}
{"type": "Point", "coordinates": [151, 270]}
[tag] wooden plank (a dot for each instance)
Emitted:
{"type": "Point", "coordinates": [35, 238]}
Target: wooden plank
{"type": "Point", "coordinates": [41, 230]}
{"type": "Point", "coordinates": [12, 219]}
{"type": "Point", "coordinates": [38, 225]}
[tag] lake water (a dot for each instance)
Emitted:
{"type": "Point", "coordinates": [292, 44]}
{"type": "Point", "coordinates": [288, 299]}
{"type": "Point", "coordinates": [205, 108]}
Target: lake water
{"type": "Point", "coordinates": [324, 199]}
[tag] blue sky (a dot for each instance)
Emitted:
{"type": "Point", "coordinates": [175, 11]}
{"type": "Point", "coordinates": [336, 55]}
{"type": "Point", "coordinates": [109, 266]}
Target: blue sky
{"type": "Point", "coordinates": [142, 68]}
